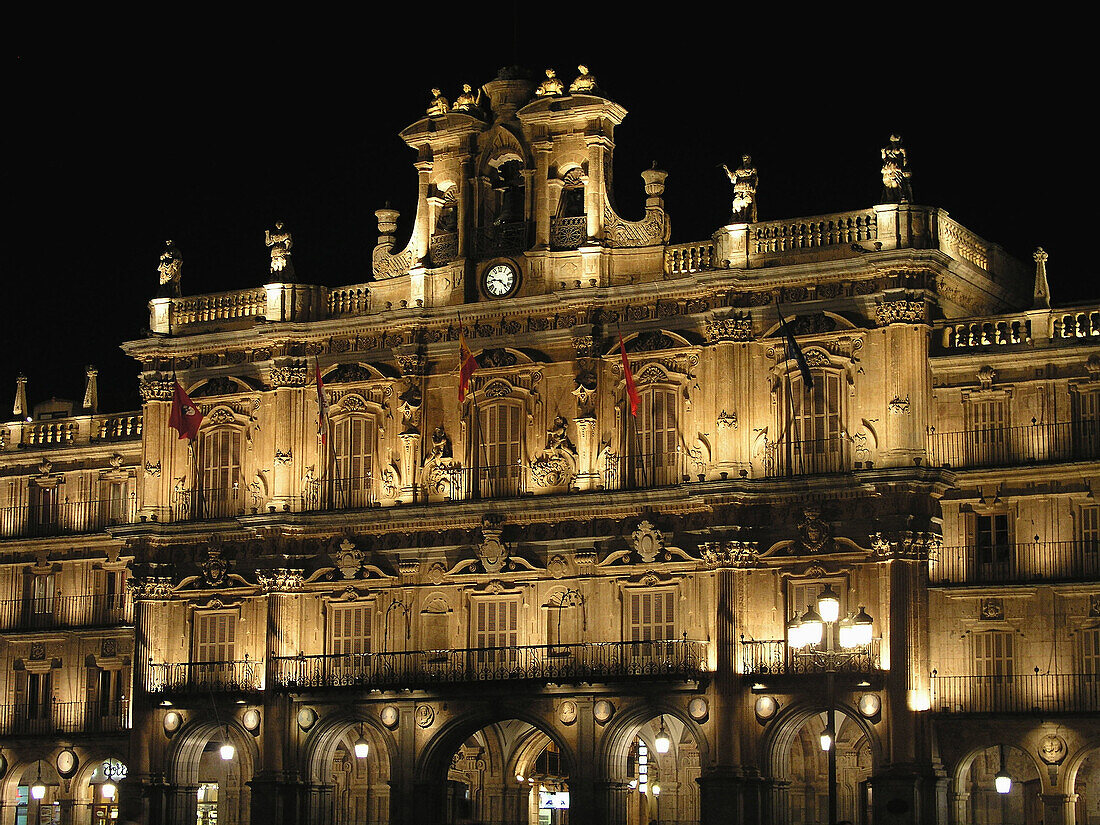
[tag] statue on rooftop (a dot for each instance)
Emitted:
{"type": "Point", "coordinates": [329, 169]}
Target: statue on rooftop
{"type": "Point", "coordinates": [895, 173]}
{"type": "Point", "coordinates": [280, 242]}
{"type": "Point", "coordinates": [551, 87]}
{"type": "Point", "coordinates": [439, 104]}
{"type": "Point", "coordinates": [170, 269]}
{"type": "Point", "coordinates": [468, 101]}
{"type": "Point", "coordinates": [584, 84]}
{"type": "Point", "coordinates": [744, 182]}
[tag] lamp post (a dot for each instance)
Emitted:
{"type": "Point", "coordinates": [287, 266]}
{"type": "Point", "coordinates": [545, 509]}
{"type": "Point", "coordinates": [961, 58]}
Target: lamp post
{"type": "Point", "coordinates": [657, 800]}
{"type": "Point", "coordinates": [828, 641]}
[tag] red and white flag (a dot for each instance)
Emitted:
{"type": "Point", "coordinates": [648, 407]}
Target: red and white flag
{"type": "Point", "coordinates": [631, 389]}
{"type": "Point", "coordinates": [185, 418]}
{"type": "Point", "coordinates": [322, 408]}
{"type": "Point", "coordinates": [467, 366]}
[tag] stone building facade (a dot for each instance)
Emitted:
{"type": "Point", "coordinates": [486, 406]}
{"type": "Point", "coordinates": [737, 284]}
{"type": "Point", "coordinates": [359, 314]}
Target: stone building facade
{"type": "Point", "coordinates": [537, 590]}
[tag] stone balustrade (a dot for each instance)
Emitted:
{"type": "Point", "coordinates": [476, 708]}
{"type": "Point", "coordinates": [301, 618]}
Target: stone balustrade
{"type": "Point", "coordinates": [777, 237]}
{"type": "Point", "coordinates": [66, 432]}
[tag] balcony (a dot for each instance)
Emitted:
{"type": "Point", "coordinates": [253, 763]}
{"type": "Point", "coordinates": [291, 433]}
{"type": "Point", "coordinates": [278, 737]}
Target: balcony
{"type": "Point", "coordinates": [511, 238]}
{"type": "Point", "coordinates": [568, 233]}
{"type": "Point", "coordinates": [1010, 446]}
{"type": "Point", "coordinates": [340, 494]}
{"type": "Point", "coordinates": [641, 471]}
{"type": "Point", "coordinates": [1031, 693]}
{"type": "Point", "coordinates": [65, 717]}
{"type": "Point", "coordinates": [66, 518]}
{"type": "Point", "coordinates": [102, 610]}
{"type": "Point", "coordinates": [1046, 561]}
{"type": "Point", "coordinates": [239, 676]}
{"type": "Point", "coordinates": [598, 661]}
{"type": "Point", "coordinates": [818, 456]}
{"type": "Point", "coordinates": [771, 657]}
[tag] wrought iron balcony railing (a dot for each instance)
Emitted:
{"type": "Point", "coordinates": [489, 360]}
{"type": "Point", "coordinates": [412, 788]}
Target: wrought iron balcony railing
{"type": "Point", "coordinates": [23, 719]}
{"type": "Point", "coordinates": [340, 493]}
{"type": "Point", "coordinates": [568, 233]}
{"type": "Point", "coordinates": [63, 518]}
{"type": "Point", "coordinates": [773, 657]}
{"type": "Point", "coordinates": [204, 503]}
{"type": "Point", "coordinates": [101, 610]}
{"type": "Point", "coordinates": [1016, 563]}
{"type": "Point", "coordinates": [238, 676]}
{"type": "Point", "coordinates": [639, 471]}
{"type": "Point", "coordinates": [509, 238]}
{"type": "Point", "coordinates": [1024, 693]}
{"type": "Point", "coordinates": [1009, 446]}
{"type": "Point", "coordinates": [676, 659]}
{"type": "Point", "coordinates": [809, 457]}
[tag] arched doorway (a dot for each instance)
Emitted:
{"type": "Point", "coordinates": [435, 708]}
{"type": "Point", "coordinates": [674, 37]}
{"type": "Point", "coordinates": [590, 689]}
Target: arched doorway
{"type": "Point", "coordinates": [1087, 787]}
{"type": "Point", "coordinates": [210, 765]}
{"type": "Point", "coordinates": [982, 800]}
{"type": "Point", "coordinates": [350, 773]}
{"type": "Point", "coordinates": [653, 764]}
{"type": "Point", "coordinates": [808, 773]}
{"type": "Point", "coordinates": [506, 772]}
{"type": "Point", "coordinates": [41, 805]}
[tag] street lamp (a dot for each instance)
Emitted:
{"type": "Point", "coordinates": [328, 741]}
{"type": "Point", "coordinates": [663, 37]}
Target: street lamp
{"type": "Point", "coordinates": [663, 741]}
{"type": "Point", "coordinates": [38, 790]}
{"type": "Point", "coordinates": [829, 641]}
{"type": "Point", "coordinates": [227, 750]}
{"type": "Point", "coordinates": [1002, 781]}
{"type": "Point", "coordinates": [362, 747]}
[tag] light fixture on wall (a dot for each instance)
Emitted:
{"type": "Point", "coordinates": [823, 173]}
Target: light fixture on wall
{"type": "Point", "coordinates": [227, 750]}
{"type": "Point", "coordinates": [663, 741]}
{"type": "Point", "coordinates": [38, 790]}
{"type": "Point", "coordinates": [1002, 781]}
{"type": "Point", "coordinates": [828, 738]}
{"type": "Point", "coordinates": [362, 747]}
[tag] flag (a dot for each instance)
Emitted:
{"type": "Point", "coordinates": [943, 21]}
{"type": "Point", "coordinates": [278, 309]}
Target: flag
{"type": "Point", "coordinates": [796, 351]}
{"type": "Point", "coordinates": [322, 407]}
{"type": "Point", "coordinates": [185, 418]}
{"type": "Point", "coordinates": [467, 365]}
{"type": "Point", "coordinates": [631, 390]}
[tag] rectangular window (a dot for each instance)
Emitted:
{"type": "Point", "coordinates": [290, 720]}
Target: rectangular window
{"type": "Point", "coordinates": [652, 620]}
{"type": "Point", "coordinates": [655, 454]}
{"type": "Point", "coordinates": [814, 441]}
{"type": "Point", "coordinates": [45, 511]}
{"type": "Point", "coordinates": [502, 450]}
{"type": "Point", "coordinates": [994, 548]}
{"type": "Point", "coordinates": [112, 503]}
{"type": "Point", "coordinates": [353, 458]}
{"type": "Point", "coordinates": [215, 637]}
{"type": "Point", "coordinates": [993, 655]}
{"type": "Point", "coordinates": [496, 629]}
{"type": "Point", "coordinates": [1089, 652]}
{"type": "Point", "coordinates": [221, 473]}
{"type": "Point", "coordinates": [1088, 538]}
{"type": "Point", "coordinates": [350, 629]}
{"type": "Point", "coordinates": [40, 605]}
{"type": "Point", "coordinates": [1086, 424]}
{"type": "Point", "coordinates": [987, 431]}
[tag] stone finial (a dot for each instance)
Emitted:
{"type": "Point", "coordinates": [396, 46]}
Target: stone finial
{"type": "Point", "coordinates": [280, 242]}
{"type": "Point", "coordinates": [1041, 298]}
{"type": "Point", "coordinates": [896, 177]}
{"type": "Point", "coordinates": [20, 408]}
{"type": "Point", "coordinates": [171, 271]}
{"type": "Point", "coordinates": [387, 225]}
{"type": "Point", "coordinates": [91, 390]}
{"type": "Point", "coordinates": [654, 180]}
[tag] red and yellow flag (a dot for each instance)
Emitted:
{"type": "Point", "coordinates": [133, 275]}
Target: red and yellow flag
{"type": "Point", "coordinates": [467, 366]}
{"type": "Point", "coordinates": [631, 389]}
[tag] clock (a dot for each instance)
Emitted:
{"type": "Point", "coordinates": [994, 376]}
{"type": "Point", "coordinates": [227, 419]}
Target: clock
{"type": "Point", "coordinates": [500, 280]}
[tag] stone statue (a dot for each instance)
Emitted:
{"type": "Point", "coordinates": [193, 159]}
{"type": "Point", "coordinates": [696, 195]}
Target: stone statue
{"type": "Point", "coordinates": [439, 104]}
{"type": "Point", "coordinates": [551, 87]}
{"type": "Point", "coordinates": [170, 269]}
{"type": "Point", "coordinates": [441, 446]}
{"type": "Point", "coordinates": [744, 182]}
{"type": "Point", "coordinates": [468, 101]}
{"type": "Point", "coordinates": [557, 437]}
{"type": "Point", "coordinates": [584, 84]}
{"type": "Point", "coordinates": [280, 242]}
{"type": "Point", "coordinates": [895, 173]}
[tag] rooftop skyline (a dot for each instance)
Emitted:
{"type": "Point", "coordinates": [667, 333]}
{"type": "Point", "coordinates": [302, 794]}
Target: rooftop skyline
{"type": "Point", "coordinates": [113, 154]}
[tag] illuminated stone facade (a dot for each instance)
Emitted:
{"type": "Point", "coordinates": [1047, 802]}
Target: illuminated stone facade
{"type": "Point", "coordinates": [517, 595]}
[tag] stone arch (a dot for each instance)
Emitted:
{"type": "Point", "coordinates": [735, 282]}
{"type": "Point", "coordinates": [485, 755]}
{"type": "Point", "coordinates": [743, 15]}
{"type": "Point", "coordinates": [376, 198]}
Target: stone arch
{"type": "Point", "coordinates": [186, 748]}
{"type": "Point", "coordinates": [436, 754]}
{"type": "Point", "coordinates": [332, 729]}
{"type": "Point", "coordinates": [90, 761]}
{"type": "Point", "coordinates": [961, 772]}
{"type": "Point", "coordinates": [775, 745]}
{"type": "Point", "coordinates": [1071, 772]}
{"type": "Point", "coordinates": [615, 743]}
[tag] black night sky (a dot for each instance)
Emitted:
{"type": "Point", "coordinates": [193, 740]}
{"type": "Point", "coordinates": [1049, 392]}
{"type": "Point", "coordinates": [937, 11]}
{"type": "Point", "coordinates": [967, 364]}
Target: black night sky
{"type": "Point", "coordinates": [116, 143]}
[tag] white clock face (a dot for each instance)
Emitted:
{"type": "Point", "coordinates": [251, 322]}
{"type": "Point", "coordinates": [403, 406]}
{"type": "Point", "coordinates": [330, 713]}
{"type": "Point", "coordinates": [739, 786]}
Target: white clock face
{"type": "Point", "coordinates": [66, 761]}
{"type": "Point", "coordinates": [500, 280]}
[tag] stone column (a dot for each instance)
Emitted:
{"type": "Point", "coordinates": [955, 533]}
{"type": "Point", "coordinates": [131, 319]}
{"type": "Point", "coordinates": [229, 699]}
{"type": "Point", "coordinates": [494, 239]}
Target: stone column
{"type": "Point", "coordinates": [612, 798]}
{"type": "Point", "coordinates": [420, 227]}
{"type": "Point", "coordinates": [595, 190]}
{"type": "Point", "coordinates": [582, 793]}
{"type": "Point", "coordinates": [904, 439]}
{"type": "Point", "coordinates": [1059, 808]}
{"type": "Point", "coordinates": [183, 805]}
{"type": "Point", "coordinates": [158, 450]}
{"type": "Point", "coordinates": [960, 806]}
{"type": "Point", "coordinates": [291, 446]}
{"type": "Point", "coordinates": [65, 807]}
{"type": "Point", "coordinates": [542, 194]}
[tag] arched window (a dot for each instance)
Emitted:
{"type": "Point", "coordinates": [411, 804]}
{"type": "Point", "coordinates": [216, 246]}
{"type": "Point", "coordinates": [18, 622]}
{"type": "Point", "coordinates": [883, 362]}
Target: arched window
{"type": "Point", "coordinates": [499, 457]}
{"type": "Point", "coordinates": [219, 473]}
{"type": "Point", "coordinates": [351, 462]}
{"type": "Point", "coordinates": [815, 441]}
